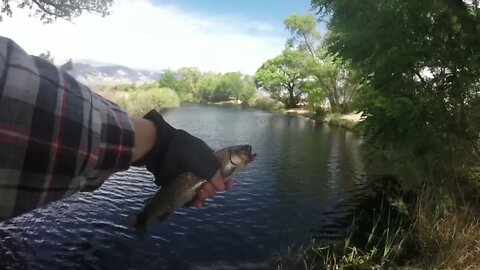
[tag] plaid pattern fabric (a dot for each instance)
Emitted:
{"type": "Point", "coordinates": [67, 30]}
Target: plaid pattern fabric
{"type": "Point", "coordinates": [56, 136]}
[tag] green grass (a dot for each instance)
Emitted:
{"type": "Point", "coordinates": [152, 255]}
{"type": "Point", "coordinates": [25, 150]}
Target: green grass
{"type": "Point", "coordinates": [385, 242]}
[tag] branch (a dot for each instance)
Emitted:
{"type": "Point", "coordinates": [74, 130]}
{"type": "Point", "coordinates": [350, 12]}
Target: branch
{"type": "Point", "coordinates": [44, 9]}
{"type": "Point", "coordinates": [352, 93]}
{"type": "Point", "coordinates": [310, 49]}
{"type": "Point", "coordinates": [66, 10]}
{"type": "Point", "coordinates": [420, 76]}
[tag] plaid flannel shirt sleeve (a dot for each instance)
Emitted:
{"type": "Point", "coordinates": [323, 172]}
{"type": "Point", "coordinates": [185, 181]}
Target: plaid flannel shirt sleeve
{"type": "Point", "coordinates": [56, 136]}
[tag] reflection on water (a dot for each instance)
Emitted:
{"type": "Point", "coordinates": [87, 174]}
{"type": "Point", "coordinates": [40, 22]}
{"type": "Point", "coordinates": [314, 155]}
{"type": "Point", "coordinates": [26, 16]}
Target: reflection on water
{"type": "Point", "coordinates": [302, 175]}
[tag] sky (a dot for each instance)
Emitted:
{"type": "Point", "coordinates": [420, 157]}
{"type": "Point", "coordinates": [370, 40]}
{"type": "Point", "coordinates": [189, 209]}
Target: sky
{"type": "Point", "coordinates": [213, 35]}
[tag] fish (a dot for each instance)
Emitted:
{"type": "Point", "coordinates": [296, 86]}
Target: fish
{"type": "Point", "coordinates": [181, 191]}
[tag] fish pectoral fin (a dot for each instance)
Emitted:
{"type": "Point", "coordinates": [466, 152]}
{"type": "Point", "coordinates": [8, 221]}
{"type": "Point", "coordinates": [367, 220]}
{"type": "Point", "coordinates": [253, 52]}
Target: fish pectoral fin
{"type": "Point", "coordinates": [164, 216]}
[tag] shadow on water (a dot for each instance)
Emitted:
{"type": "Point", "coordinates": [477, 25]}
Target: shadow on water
{"type": "Point", "coordinates": [11, 249]}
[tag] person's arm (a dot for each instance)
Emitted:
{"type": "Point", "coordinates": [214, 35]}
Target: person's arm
{"type": "Point", "coordinates": [145, 137]}
{"type": "Point", "coordinates": [58, 137]}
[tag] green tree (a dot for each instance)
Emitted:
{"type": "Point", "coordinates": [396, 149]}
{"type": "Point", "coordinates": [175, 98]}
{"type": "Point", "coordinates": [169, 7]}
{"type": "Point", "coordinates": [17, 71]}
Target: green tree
{"type": "Point", "coordinates": [339, 82]}
{"type": "Point", "coordinates": [421, 60]}
{"type": "Point", "coordinates": [51, 10]}
{"type": "Point", "coordinates": [191, 77]}
{"type": "Point", "coordinates": [47, 56]}
{"type": "Point", "coordinates": [207, 85]}
{"type": "Point", "coordinates": [229, 86]}
{"type": "Point", "coordinates": [248, 90]}
{"type": "Point", "coordinates": [336, 78]}
{"type": "Point", "coordinates": [285, 76]}
{"type": "Point", "coordinates": [67, 66]}
{"type": "Point", "coordinates": [172, 79]}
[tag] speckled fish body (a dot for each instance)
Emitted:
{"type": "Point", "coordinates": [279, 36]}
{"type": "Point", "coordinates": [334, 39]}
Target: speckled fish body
{"type": "Point", "coordinates": [182, 191]}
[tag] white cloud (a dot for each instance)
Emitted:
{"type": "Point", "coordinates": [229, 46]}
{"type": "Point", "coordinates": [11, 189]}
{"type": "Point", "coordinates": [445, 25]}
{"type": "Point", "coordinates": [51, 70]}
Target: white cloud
{"type": "Point", "coordinates": [140, 34]}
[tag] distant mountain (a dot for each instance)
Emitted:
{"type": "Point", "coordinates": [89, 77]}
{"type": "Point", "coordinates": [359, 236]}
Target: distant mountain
{"type": "Point", "coordinates": [112, 74]}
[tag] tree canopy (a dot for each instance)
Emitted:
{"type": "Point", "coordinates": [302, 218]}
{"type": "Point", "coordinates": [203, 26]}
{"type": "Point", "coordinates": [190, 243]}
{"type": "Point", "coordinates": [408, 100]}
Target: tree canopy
{"type": "Point", "coordinates": [305, 70]}
{"type": "Point", "coordinates": [421, 60]}
{"type": "Point", "coordinates": [284, 76]}
{"type": "Point", "coordinates": [50, 10]}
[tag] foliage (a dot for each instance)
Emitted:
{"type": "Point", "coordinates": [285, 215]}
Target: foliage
{"type": "Point", "coordinates": [140, 101]}
{"type": "Point", "coordinates": [126, 87]}
{"type": "Point", "coordinates": [51, 10]}
{"type": "Point", "coordinates": [248, 90]}
{"type": "Point", "coordinates": [423, 75]}
{"type": "Point", "coordinates": [447, 231]}
{"type": "Point", "coordinates": [191, 77]}
{"type": "Point", "coordinates": [207, 86]}
{"type": "Point", "coordinates": [285, 76]}
{"type": "Point", "coordinates": [171, 79]}
{"type": "Point", "coordinates": [47, 56]}
{"type": "Point", "coordinates": [67, 66]}
{"type": "Point", "coordinates": [266, 104]}
{"type": "Point", "coordinates": [143, 101]}
{"type": "Point", "coordinates": [384, 243]}
{"type": "Point", "coordinates": [193, 85]}
{"type": "Point", "coordinates": [336, 79]}
{"type": "Point", "coordinates": [305, 70]}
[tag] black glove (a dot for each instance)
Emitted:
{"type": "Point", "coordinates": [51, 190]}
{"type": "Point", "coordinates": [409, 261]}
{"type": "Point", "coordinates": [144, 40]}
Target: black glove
{"type": "Point", "coordinates": [175, 152]}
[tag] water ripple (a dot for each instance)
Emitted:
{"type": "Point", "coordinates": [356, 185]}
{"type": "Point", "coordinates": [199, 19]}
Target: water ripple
{"type": "Point", "coordinates": [299, 185]}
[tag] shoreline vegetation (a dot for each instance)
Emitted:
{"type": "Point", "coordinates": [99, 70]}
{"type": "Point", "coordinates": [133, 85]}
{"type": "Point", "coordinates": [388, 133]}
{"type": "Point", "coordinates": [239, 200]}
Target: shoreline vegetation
{"type": "Point", "coordinates": [139, 102]}
{"type": "Point", "coordinates": [422, 125]}
{"type": "Point", "coordinates": [418, 81]}
{"type": "Point", "coordinates": [438, 227]}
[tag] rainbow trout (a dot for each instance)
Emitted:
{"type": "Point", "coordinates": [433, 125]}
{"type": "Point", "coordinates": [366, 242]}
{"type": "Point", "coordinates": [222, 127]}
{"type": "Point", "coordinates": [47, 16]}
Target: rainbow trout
{"type": "Point", "coordinates": [181, 191]}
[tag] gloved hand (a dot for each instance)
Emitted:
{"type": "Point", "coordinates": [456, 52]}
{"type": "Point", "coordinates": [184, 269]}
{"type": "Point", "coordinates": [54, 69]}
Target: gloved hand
{"type": "Point", "coordinates": [175, 152]}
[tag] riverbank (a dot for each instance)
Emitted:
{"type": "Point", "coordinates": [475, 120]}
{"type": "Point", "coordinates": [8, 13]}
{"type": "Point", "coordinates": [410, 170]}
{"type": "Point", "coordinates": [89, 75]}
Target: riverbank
{"type": "Point", "coordinates": [348, 121]}
{"type": "Point", "coordinates": [431, 227]}
{"type": "Point", "coordinates": [140, 101]}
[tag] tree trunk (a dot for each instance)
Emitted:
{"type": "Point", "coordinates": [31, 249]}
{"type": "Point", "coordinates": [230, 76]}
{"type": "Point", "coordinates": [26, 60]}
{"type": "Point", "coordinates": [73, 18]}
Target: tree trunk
{"type": "Point", "coordinates": [291, 102]}
{"type": "Point", "coordinates": [333, 104]}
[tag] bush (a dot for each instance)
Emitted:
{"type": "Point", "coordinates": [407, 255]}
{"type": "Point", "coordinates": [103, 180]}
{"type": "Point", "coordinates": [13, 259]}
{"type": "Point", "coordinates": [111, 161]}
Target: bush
{"type": "Point", "coordinates": [142, 101]}
{"type": "Point", "coordinates": [139, 102]}
{"type": "Point", "coordinates": [266, 104]}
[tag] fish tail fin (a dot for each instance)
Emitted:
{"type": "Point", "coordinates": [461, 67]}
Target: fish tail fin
{"type": "Point", "coordinates": [139, 227]}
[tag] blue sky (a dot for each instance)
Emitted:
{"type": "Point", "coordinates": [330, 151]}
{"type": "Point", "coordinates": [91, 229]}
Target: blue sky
{"type": "Point", "coordinates": [269, 11]}
{"type": "Point", "coordinates": [213, 35]}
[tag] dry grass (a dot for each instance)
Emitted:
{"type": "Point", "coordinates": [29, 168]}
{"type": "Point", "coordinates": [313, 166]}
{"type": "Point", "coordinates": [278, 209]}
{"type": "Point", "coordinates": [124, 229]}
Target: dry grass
{"type": "Point", "coordinates": [139, 102]}
{"type": "Point", "coordinates": [445, 234]}
{"type": "Point", "coordinates": [448, 232]}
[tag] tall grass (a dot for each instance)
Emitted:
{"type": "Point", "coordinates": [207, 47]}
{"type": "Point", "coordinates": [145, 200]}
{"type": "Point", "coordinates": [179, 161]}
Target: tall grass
{"type": "Point", "coordinates": [447, 229]}
{"type": "Point", "coordinates": [335, 119]}
{"type": "Point", "coordinates": [139, 102]}
{"type": "Point", "coordinates": [442, 231]}
{"type": "Point", "coordinates": [380, 247]}
{"type": "Point", "coordinates": [266, 104]}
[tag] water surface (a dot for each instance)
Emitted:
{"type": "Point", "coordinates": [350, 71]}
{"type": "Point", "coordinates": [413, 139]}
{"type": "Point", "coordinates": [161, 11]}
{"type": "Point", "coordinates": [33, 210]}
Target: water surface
{"type": "Point", "coordinates": [303, 174]}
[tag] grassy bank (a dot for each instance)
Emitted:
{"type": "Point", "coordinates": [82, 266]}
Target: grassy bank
{"type": "Point", "coordinates": [139, 102]}
{"type": "Point", "coordinates": [432, 227]}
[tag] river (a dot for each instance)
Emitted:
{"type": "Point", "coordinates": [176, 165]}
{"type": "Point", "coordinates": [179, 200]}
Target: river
{"type": "Point", "coordinates": [298, 186]}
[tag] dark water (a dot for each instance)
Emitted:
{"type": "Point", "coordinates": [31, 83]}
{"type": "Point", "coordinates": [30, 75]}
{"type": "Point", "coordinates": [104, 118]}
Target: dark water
{"type": "Point", "coordinates": [301, 177]}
